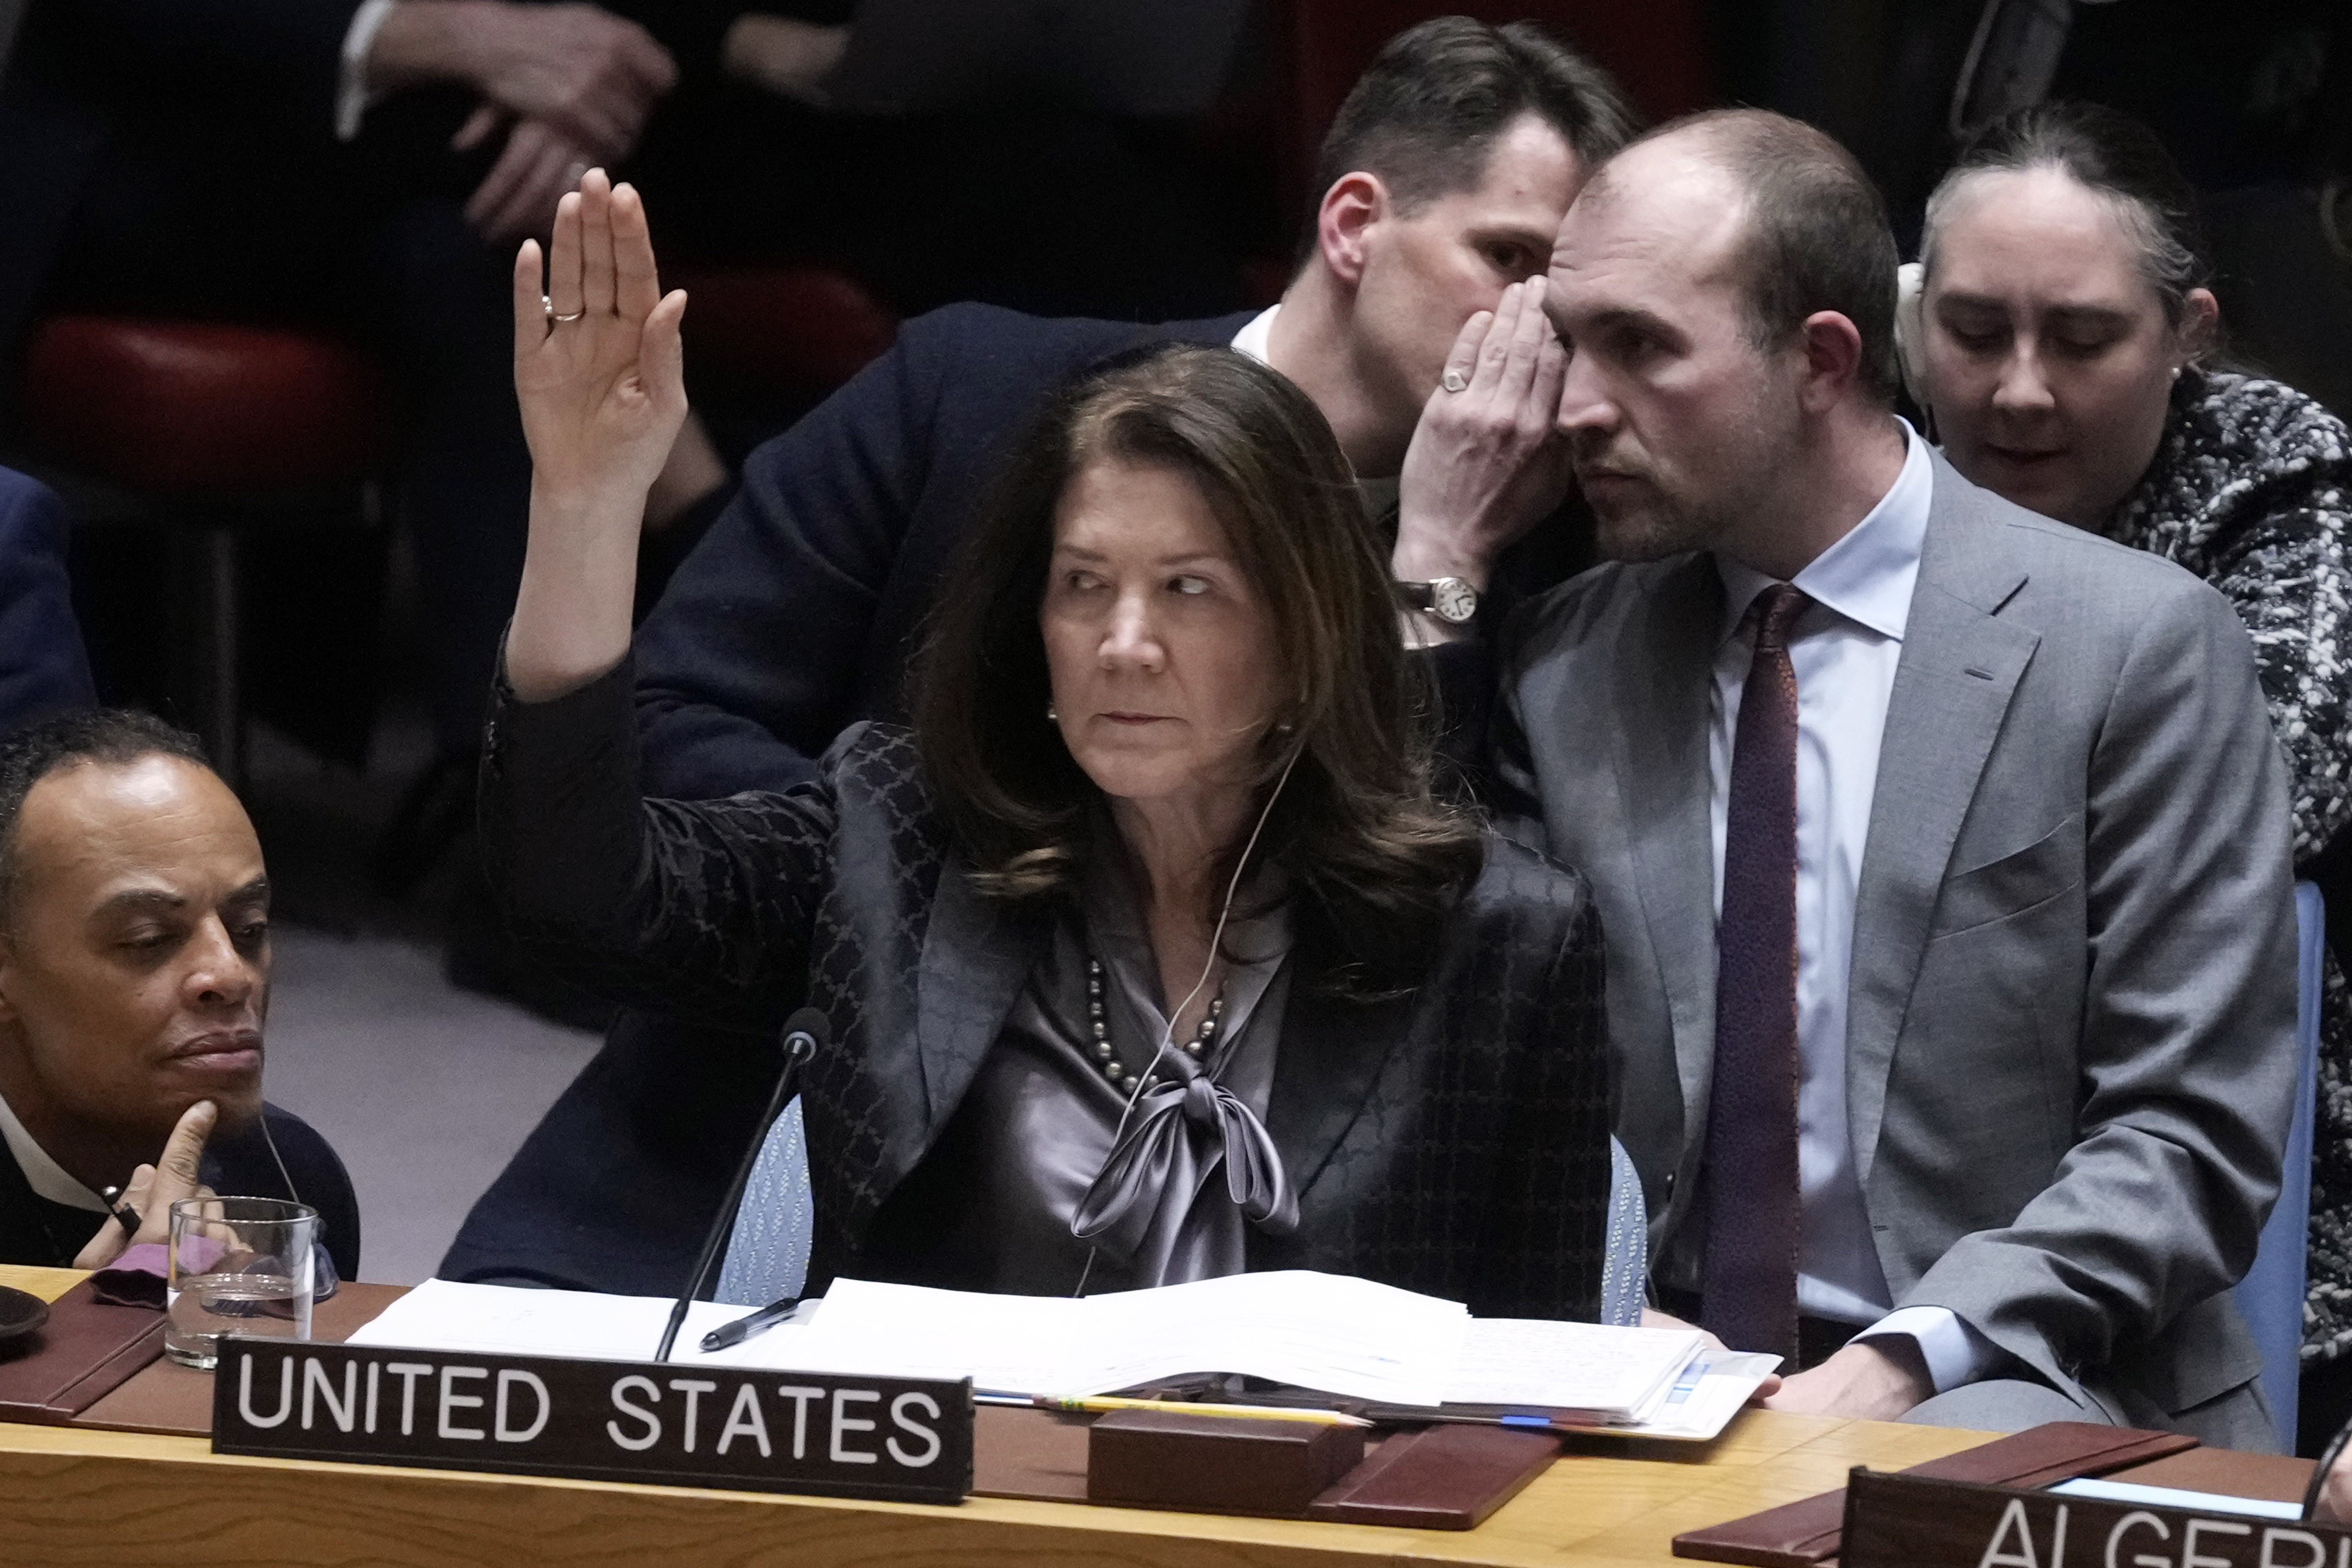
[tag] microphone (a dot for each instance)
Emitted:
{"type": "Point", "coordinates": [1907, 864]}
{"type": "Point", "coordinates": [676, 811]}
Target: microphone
{"type": "Point", "coordinates": [805, 1033]}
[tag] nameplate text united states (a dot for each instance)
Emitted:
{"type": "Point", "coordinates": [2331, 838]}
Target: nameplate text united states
{"type": "Point", "coordinates": [899, 1440]}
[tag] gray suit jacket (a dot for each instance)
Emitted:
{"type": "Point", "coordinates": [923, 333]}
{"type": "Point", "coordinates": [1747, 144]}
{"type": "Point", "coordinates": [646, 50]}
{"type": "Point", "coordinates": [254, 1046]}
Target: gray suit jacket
{"type": "Point", "coordinates": [2070, 1048]}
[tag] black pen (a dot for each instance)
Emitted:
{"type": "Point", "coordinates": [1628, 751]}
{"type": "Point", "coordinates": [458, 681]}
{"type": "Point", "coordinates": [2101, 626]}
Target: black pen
{"type": "Point", "coordinates": [758, 1322]}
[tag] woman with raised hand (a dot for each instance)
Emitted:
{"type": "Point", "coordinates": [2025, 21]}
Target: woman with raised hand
{"type": "Point", "coordinates": [2059, 339]}
{"type": "Point", "coordinates": [1149, 953]}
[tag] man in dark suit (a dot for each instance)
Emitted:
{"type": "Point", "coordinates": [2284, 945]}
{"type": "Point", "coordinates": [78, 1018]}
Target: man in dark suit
{"type": "Point", "coordinates": [1444, 177]}
{"type": "Point", "coordinates": [43, 670]}
{"type": "Point", "coordinates": [134, 977]}
{"type": "Point", "coordinates": [1942, 849]}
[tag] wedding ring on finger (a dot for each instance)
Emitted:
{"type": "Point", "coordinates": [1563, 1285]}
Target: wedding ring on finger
{"type": "Point", "coordinates": [548, 307]}
{"type": "Point", "coordinates": [1453, 381]}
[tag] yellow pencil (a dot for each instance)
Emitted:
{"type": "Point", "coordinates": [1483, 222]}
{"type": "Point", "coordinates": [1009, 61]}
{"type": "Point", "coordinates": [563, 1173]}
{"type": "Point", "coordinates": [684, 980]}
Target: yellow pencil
{"type": "Point", "coordinates": [1191, 1408]}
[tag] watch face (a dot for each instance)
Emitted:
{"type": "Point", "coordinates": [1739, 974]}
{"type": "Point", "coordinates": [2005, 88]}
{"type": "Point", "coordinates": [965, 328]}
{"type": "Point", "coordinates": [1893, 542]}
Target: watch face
{"type": "Point", "coordinates": [1454, 599]}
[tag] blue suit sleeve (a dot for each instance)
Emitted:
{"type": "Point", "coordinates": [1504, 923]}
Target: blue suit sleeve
{"type": "Point", "coordinates": [756, 655]}
{"type": "Point", "coordinates": [43, 669]}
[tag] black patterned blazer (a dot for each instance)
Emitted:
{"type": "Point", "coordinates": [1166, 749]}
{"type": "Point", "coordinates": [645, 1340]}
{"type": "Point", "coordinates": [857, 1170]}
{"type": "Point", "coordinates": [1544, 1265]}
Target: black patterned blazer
{"type": "Point", "coordinates": [1452, 1141]}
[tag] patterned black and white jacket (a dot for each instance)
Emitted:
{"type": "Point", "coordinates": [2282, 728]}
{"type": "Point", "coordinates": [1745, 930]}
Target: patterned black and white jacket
{"type": "Point", "coordinates": [2252, 490]}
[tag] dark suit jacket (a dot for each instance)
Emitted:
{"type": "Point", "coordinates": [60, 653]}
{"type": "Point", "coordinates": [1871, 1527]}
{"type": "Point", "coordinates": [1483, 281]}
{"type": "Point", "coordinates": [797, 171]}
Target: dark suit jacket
{"type": "Point", "coordinates": [43, 670]}
{"type": "Point", "coordinates": [1452, 1141]}
{"type": "Point", "coordinates": [2070, 1037]}
{"type": "Point", "coordinates": [34, 1231]}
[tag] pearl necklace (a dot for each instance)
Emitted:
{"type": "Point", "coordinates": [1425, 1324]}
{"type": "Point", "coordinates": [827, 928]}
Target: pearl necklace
{"type": "Point", "coordinates": [1108, 1059]}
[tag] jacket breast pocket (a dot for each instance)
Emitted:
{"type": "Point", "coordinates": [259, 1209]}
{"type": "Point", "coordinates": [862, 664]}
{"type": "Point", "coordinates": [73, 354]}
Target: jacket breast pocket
{"type": "Point", "coordinates": [2012, 883]}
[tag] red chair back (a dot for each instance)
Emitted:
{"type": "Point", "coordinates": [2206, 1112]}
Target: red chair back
{"type": "Point", "coordinates": [180, 408]}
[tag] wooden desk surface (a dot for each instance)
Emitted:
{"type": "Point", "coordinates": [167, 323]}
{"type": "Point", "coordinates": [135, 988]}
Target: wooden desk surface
{"type": "Point", "coordinates": [69, 1496]}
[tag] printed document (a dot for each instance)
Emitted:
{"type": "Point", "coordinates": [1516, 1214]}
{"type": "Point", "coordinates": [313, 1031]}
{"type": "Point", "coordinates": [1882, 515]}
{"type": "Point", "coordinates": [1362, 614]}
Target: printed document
{"type": "Point", "coordinates": [1347, 1337]}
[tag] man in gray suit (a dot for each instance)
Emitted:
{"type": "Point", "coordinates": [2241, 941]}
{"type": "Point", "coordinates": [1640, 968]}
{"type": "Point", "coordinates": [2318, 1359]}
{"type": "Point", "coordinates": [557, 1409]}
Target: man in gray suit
{"type": "Point", "coordinates": [1942, 849]}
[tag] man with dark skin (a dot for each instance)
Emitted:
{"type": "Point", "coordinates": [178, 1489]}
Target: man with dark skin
{"type": "Point", "coordinates": [134, 979]}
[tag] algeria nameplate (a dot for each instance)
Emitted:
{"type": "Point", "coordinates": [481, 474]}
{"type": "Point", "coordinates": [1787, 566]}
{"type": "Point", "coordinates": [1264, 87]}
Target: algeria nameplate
{"type": "Point", "coordinates": [901, 1439]}
{"type": "Point", "coordinates": [1893, 1521]}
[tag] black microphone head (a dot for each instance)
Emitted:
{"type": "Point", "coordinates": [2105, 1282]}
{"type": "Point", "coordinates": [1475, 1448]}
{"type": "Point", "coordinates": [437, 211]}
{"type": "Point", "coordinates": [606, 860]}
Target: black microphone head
{"type": "Point", "coordinates": [806, 1033]}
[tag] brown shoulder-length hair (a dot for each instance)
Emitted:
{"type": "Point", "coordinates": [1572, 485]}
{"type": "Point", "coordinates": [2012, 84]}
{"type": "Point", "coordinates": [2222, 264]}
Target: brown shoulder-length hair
{"type": "Point", "coordinates": [1374, 859]}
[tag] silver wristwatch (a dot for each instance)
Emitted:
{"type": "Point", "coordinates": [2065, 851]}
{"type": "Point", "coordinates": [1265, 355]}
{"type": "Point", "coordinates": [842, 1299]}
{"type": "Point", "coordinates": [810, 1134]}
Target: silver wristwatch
{"type": "Point", "coordinates": [1450, 599]}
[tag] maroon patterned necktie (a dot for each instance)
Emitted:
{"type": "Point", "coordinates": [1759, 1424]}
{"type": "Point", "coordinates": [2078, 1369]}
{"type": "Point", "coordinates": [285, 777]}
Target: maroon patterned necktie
{"type": "Point", "coordinates": [1750, 1285]}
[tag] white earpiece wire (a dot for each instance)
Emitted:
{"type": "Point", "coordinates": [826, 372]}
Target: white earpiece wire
{"type": "Point", "coordinates": [1167, 1032]}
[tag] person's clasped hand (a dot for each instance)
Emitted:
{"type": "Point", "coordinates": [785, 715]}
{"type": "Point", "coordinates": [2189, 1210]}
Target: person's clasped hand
{"type": "Point", "coordinates": [585, 74]}
{"type": "Point", "coordinates": [154, 1188]}
{"type": "Point", "coordinates": [536, 168]}
{"type": "Point", "coordinates": [1486, 462]}
{"type": "Point", "coordinates": [570, 85]}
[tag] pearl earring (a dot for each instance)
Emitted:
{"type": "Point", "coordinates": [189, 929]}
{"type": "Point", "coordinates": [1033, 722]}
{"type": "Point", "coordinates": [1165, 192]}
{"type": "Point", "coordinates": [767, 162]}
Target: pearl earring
{"type": "Point", "coordinates": [1051, 717]}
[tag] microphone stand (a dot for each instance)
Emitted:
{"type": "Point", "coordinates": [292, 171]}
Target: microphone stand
{"type": "Point", "coordinates": [804, 1031]}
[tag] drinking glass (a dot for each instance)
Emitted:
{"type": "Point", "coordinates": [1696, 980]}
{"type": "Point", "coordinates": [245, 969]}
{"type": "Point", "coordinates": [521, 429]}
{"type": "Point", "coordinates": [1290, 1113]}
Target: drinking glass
{"type": "Point", "coordinates": [239, 1266]}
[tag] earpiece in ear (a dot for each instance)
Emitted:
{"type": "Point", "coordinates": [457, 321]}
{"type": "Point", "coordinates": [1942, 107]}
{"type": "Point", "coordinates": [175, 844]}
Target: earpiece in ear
{"type": "Point", "coordinates": [1911, 329]}
{"type": "Point", "coordinates": [1051, 717]}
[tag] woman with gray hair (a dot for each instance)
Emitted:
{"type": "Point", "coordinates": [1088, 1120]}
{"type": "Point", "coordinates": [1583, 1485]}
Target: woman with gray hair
{"type": "Point", "coordinates": [2059, 334]}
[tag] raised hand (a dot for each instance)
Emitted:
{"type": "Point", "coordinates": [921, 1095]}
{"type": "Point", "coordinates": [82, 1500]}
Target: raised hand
{"type": "Point", "coordinates": [589, 74]}
{"type": "Point", "coordinates": [1486, 464]}
{"type": "Point", "coordinates": [601, 379]}
{"type": "Point", "coordinates": [598, 367]}
{"type": "Point", "coordinates": [581, 69]}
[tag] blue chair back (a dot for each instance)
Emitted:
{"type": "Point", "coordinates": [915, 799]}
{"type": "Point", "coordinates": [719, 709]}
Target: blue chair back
{"type": "Point", "coordinates": [2270, 1295]}
{"type": "Point", "coordinates": [767, 1251]}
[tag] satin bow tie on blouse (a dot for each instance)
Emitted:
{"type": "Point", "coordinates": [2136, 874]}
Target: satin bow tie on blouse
{"type": "Point", "coordinates": [1179, 1130]}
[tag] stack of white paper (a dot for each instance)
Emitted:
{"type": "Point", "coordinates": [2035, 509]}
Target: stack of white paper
{"type": "Point", "coordinates": [504, 1320]}
{"type": "Point", "coordinates": [1603, 1374]}
{"type": "Point", "coordinates": [1326, 1332]}
{"type": "Point", "coordinates": [1343, 1336]}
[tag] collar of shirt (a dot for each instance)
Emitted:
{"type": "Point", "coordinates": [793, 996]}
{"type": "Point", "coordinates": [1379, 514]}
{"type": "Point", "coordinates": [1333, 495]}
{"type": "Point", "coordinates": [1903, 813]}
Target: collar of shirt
{"type": "Point", "coordinates": [1256, 334]}
{"type": "Point", "coordinates": [44, 1175]}
{"type": "Point", "coordinates": [1868, 575]}
{"type": "Point", "coordinates": [1379, 496]}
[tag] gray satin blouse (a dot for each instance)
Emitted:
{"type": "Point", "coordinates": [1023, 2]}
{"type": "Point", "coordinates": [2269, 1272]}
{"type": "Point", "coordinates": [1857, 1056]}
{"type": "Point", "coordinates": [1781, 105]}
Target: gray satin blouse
{"type": "Point", "coordinates": [1164, 1198]}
